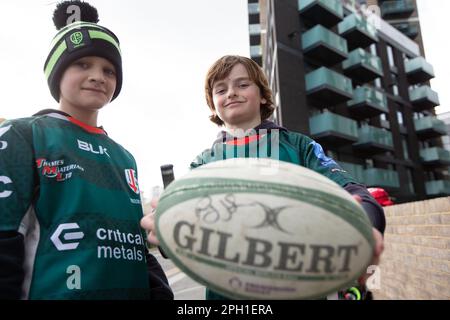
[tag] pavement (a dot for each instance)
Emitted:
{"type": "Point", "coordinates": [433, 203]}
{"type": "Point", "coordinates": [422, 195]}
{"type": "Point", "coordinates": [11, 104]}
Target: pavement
{"type": "Point", "coordinates": [183, 287]}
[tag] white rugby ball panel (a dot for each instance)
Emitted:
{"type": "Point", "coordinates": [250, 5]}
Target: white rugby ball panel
{"type": "Point", "coordinates": [250, 236]}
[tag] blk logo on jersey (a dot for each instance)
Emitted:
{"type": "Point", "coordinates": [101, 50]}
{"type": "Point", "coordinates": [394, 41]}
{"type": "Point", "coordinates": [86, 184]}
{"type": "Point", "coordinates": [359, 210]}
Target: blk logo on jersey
{"type": "Point", "coordinates": [89, 148]}
{"type": "Point", "coordinates": [4, 144]}
{"type": "Point", "coordinates": [64, 240]}
{"type": "Point", "coordinates": [132, 182]}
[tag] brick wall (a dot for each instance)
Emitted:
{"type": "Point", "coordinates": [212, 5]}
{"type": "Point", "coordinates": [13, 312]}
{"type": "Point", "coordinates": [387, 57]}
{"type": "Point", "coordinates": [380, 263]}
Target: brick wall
{"type": "Point", "coordinates": [416, 260]}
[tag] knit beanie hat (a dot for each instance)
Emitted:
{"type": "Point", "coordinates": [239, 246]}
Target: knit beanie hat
{"type": "Point", "coordinates": [78, 39]}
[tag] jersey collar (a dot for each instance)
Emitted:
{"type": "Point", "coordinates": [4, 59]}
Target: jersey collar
{"type": "Point", "coordinates": [58, 114]}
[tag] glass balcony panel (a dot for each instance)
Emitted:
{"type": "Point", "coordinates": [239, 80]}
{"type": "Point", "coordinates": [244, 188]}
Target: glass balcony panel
{"type": "Point", "coordinates": [255, 51]}
{"type": "Point", "coordinates": [332, 128]}
{"type": "Point", "coordinates": [367, 103]}
{"type": "Point", "coordinates": [435, 156]}
{"type": "Point", "coordinates": [358, 31]}
{"type": "Point", "coordinates": [355, 170]}
{"type": "Point", "coordinates": [403, 8]}
{"type": "Point", "coordinates": [438, 187]}
{"type": "Point", "coordinates": [328, 87]}
{"type": "Point", "coordinates": [408, 29]}
{"type": "Point", "coordinates": [253, 8]}
{"type": "Point", "coordinates": [362, 66]}
{"type": "Point", "coordinates": [430, 127]}
{"type": "Point", "coordinates": [325, 12]}
{"type": "Point", "coordinates": [375, 177]}
{"type": "Point", "coordinates": [418, 70]}
{"type": "Point", "coordinates": [254, 29]}
{"type": "Point", "coordinates": [324, 46]}
{"type": "Point", "coordinates": [369, 134]}
{"type": "Point", "coordinates": [423, 98]}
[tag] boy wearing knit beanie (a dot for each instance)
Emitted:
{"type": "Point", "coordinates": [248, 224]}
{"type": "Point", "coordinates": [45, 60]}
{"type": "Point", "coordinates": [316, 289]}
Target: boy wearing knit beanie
{"type": "Point", "coordinates": [69, 196]}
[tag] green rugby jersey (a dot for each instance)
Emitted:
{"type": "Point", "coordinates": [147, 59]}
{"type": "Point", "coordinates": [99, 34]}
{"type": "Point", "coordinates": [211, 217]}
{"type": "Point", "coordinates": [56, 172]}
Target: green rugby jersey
{"type": "Point", "coordinates": [73, 194]}
{"type": "Point", "coordinates": [271, 141]}
{"type": "Point", "coordinates": [276, 143]}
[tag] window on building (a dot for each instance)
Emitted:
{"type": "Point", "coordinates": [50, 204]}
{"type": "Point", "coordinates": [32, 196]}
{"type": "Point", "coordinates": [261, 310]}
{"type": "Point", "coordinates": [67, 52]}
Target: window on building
{"type": "Point", "coordinates": [400, 117]}
{"type": "Point", "coordinates": [409, 181]}
{"type": "Point", "coordinates": [390, 54]}
{"type": "Point", "coordinates": [378, 82]}
{"type": "Point", "coordinates": [383, 117]}
{"type": "Point", "coordinates": [373, 49]}
{"type": "Point", "coordinates": [255, 51]}
{"type": "Point", "coordinates": [446, 142]}
{"type": "Point", "coordinates": [254, 29]}
{"type": "Point", "coordinates": [253, 8]}
{"type": "Point", "coordinates": [369, 163]}
{"type": "Point", "coordinates": [395, 90]}
{"type": "Point", "coordinates": [405, 148]}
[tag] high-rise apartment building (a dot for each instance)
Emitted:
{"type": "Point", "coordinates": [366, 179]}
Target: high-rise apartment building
{"type": "Point", "coordinates": [401, 14]}
{"type": "Point", "coordinates": [357, 85]}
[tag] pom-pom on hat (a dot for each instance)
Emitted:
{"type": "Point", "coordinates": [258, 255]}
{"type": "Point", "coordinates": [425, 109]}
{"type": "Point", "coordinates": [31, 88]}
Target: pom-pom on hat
{"type": "Point", "coordinates": [81, 38]}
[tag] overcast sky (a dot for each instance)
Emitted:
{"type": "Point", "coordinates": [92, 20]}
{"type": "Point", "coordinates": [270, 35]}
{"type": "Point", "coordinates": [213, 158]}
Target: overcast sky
{"type": "Point", "coordinates": [167, 46]}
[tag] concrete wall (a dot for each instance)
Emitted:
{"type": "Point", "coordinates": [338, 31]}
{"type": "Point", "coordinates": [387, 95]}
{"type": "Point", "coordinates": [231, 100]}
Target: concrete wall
{"type": "Point", "coordinates": [416, 260]}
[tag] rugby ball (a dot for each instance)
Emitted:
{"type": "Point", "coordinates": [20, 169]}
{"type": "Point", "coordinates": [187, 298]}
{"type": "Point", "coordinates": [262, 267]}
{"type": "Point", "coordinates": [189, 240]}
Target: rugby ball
{"type": "Point", "coordinates": [252, 228]}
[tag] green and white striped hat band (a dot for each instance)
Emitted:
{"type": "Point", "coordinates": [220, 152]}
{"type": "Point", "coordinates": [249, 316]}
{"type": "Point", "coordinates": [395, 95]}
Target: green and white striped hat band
{"type": "Point", "coordinates": [77, 40]}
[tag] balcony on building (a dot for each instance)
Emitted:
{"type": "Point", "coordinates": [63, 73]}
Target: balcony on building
{"type": "Point", "coordinates": [372, 140]}
{"type": "Point", "coordinates": [367, 103]}
{"type": "Point", "coordinates": [383, 178]}
{"type": "Point", "coordinates": [409, 29]}
{"type": "Point", "coordinates": [362, 66]}
{"type": "Point", "coordinates": [435, 156]}
{"type": "Point", "coordinates": [325, 12]}
{"type": "Point", "coordinates": [418, 70]}
{"type": "Point", "coordinates": [254, 31]}
{"type": "Point", "coordinates": [438, 188]}
{"type": "Point", "coordinates": [397, 9]}
{"type": "Point", "coordinates": [328, 87]}
{"type": "Point", "coordinates": [324, 46]}
{"type": "Point", "coordinates": [331, 129]}
{"type": "Point", "coordinates": [256, 53]}
{"type": "Point", "coordinates": [430, 127]}
{"type": "Point", "coordinates": [355, 170]}
{"type": "Point", "coordinates": [358, 31]}
{"type": "Point", "coordinates": [423, 98]}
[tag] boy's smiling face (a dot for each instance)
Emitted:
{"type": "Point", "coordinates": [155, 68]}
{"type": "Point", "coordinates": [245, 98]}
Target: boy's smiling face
{"type": "Point", "coordinates": [237, 99]}
{"type": "Point", "coordinates": [88, 84]}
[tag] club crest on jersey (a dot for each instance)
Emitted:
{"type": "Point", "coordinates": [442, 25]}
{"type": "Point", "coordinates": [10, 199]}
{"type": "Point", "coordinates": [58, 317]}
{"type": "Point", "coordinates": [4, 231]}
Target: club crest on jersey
{"type": "Point", "coordinates": [130, 175]}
